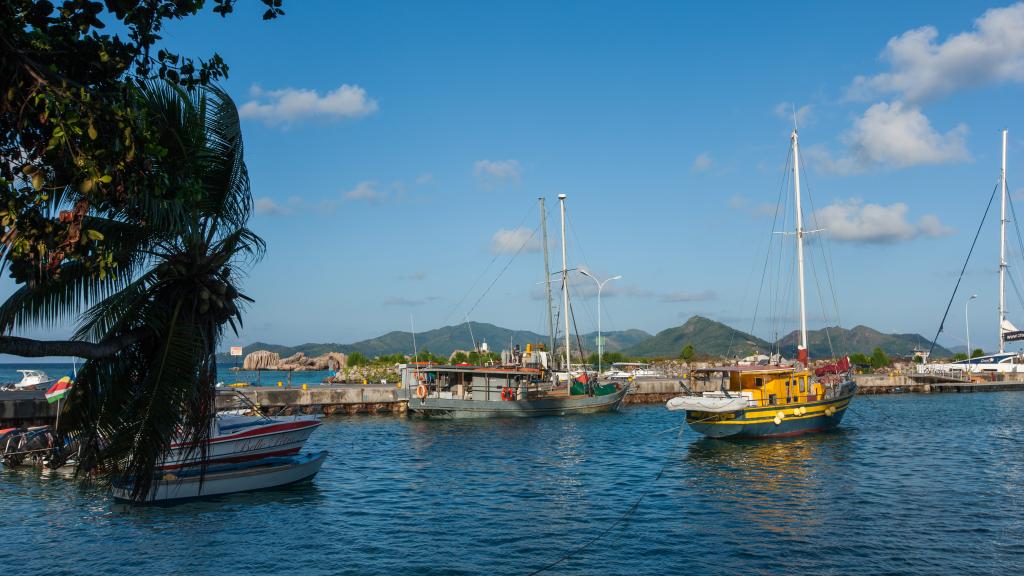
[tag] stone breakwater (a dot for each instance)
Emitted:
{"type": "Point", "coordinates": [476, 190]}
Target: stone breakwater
{"type": "Point", "coordinates": [266, 360]}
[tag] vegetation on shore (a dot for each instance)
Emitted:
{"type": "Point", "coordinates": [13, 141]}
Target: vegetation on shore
{"type": "Point", "coordinates": [125, 208]}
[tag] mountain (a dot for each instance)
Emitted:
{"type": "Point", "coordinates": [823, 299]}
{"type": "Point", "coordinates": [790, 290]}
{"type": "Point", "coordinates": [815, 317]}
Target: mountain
{"type": "Point", "coordinates": [706, 336]}
{"type": "Point", "coordinates": [444, 341]}
{"type": "Point", "coordinates": [857, 339]}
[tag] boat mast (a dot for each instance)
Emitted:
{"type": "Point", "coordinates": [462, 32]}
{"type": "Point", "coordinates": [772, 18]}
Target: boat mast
{"type": "Point", "coordinates": [565, 296]}
{"type": "Point", "coordinates": [802, 349]}
{"type": "Point", "coordinates": [1002, 251]}
{"type": "Point", "coordinates": [547, 278]}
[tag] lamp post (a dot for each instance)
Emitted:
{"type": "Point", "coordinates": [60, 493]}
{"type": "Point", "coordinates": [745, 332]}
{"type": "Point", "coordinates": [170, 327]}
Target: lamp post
{"type": "Point", "coordinates": [967, 322]}
{"type": "Point", "coordinates": [600, 340]}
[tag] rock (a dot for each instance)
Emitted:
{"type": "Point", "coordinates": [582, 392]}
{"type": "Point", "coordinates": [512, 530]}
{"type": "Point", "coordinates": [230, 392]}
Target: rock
{"type": "Point", "coordinates": [261, 360]}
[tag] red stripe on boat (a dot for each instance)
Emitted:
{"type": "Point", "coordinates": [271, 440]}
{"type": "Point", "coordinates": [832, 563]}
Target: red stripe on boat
{"type": "Point", "coordinates": [273, 428]}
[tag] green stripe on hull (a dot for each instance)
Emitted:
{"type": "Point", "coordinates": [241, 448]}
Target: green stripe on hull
{"type": "Point", "coordinates": [788, 427]}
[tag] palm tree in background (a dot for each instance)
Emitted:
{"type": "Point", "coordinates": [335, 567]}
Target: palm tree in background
{"type": "Point", "coordinates": [161, 315]}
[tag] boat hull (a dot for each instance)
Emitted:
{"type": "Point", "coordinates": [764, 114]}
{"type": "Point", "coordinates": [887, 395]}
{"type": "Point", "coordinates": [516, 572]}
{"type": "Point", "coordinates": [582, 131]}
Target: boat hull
{"type": "Point", "coordinates": [433, 407]}
{"type": "Point", "coordinates": [251, 443]}
{"type": "Point", "coordinates": [760, 422]}
{"type": "Point", "coordinates": [262, 475]}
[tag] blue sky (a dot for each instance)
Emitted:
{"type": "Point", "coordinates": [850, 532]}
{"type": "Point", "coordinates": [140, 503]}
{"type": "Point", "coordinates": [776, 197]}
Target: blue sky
{"type": "Point", "coordinates": [395, 149]}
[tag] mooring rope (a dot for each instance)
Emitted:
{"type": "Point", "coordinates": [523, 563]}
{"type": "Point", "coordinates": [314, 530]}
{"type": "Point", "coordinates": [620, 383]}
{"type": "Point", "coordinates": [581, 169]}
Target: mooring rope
{"type": "Point", "coordinates": [636, 504]}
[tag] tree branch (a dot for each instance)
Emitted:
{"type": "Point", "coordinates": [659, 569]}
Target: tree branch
{"type": "Point", "coordinates": [28, 347]}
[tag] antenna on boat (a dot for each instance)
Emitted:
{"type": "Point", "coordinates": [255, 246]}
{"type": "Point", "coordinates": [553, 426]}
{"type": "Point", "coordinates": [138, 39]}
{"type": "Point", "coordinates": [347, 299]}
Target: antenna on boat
{"type": "Point", "coordinates": [801, 351]}
{"type": "Point", "coordinates": [547, 275]}
{"type": "Point", "coordinates": [1002, 251]}
{"type": "Point", "coordinates": [565, 298]}
{"type": "Point", "coordinates": [415, 352]}
{"type": "Point", "coordinates": [792, 105]}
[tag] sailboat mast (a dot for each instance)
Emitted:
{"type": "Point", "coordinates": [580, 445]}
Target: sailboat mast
{"type": "Point", "coordinates": [1002, 251]}
{"type": "Point", "coordinates": [547, 277]}
{"type": "Point", "coordinates": [565, 289]}
{"type": "Point", "coordinates": [802, 349]}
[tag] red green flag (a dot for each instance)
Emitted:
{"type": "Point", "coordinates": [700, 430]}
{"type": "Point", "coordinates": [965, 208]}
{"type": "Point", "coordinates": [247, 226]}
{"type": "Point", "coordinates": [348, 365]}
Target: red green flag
{"type": "Point", "coordinates": [59, 389]}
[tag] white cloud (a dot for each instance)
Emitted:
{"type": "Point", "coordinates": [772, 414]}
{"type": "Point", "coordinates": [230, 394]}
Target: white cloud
{"type": "Point", "coordinates": [854, 221]}
{"type": "Point", "coordinates": [689, 296]}
{"type": "Point", "coordinates": [895, 135]}
{"type": "Point", "coordinates": [702, 162]}
{"type": "Point", "coordinates": [921, 68]}
{"type": "Point", "coordinates": [785, 110]}
{"type": "Point", "coordinates": [366, 191]}
{"type": "Point", "coordinates": [492, 172]}
{"type": "Point", "coordinates": [269, 207]}
{"type": "Point", "coordinates": [424, 178]}
{"type": "Point", "coordinates": [410, 302]}
{"type": "Point", "coordinates": [507, 241]}
{"type": "Point", "coordinates": [288, 105]}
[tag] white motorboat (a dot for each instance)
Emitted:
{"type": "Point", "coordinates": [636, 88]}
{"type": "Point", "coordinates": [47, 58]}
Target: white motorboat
{"type": "Point", "coordinates": [237, 439]}
{"type": "Point", "coordinates": [257, 475]}
{"type": "Point", "coordinates": [33, 380]}
{"type": "Point", "coordinates": [626, 370]}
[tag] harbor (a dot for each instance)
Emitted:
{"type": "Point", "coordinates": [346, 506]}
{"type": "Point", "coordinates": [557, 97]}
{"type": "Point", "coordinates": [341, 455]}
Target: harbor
{"type": "Point", "coordinates": [29, 408]}
{"type": "Point", "coordinates": [389, 480]}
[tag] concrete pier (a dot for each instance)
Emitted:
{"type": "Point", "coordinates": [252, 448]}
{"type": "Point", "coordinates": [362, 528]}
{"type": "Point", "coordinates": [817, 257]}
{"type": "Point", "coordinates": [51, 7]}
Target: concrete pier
{"type": "Point", "coordinates": [27, 408]}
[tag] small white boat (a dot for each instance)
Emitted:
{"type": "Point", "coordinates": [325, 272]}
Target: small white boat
{"type": "Point", "coordinates": [714, 402]}
{"type": "Point", "coordinates": [33, 380]}
{"type": "Point", "coordinates": [258, 475]}
{"type": "Point", "coordinates": [235, 439]}
{"type": "Point", "coordinates": [626, 370]}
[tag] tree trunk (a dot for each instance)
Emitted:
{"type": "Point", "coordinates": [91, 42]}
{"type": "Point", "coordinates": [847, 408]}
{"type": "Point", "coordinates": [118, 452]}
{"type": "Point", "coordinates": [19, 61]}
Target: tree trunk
{"type": "Point", "coordinates": [28, 347]}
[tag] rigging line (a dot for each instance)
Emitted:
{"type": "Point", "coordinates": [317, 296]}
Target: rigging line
{"type": "Point", "coordinates": [825, 265]}
{"type": "Point", "coordinates": [768, 254]}
{"type": "Point", "coordinates": [629, 511]}
{"type": "Point", "coordinates": [1020, 241]}
{"type": "Point", "coordinates": [482, 274]}
{"type": "Point", "coordinates": [498, 277]}
{"type": "Point", "coordinates": [826, 246]}
{"type": "Point", "coordinates": [962, 270]}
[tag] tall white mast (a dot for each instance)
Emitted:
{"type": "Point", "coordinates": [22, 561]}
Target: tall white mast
{"type": "Point", "coordinates": [802, 349]}
{"type": "Point", "coordinates": [565, 295]}
{"type": "Point", "coordinates": [1002, 251]}
{"type": "Point", "coordinates": [547, 278]}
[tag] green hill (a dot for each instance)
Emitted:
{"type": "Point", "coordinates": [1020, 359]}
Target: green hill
{"type": "Point", "coordinates": [857, 339]}
{"type": "Point", "coordinates": [444, 341]}
{"type": "Point", "coordinates": [706, 336]}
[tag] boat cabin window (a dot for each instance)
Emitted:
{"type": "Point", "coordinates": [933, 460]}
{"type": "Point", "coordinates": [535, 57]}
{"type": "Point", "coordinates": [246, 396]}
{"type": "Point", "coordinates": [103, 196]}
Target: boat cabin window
{"type": "Point", "coordinates": [772, 400]}
{"type": "Point", "coordinates": [803, 384]}
{"type": "Point", "coordinates": [759, 382]}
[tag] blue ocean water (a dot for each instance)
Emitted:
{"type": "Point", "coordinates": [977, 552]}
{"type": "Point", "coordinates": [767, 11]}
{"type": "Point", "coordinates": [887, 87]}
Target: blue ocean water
{"type": "Point", "coordinates": [911, 484]}
{"type": "Point", "coordinates": [9, 373]}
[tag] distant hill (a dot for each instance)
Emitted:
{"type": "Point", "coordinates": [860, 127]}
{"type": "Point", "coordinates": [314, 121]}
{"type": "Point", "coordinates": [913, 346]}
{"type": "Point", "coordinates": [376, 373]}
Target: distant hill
{"type": "Point", "coordinates": [858, 339]}
{"type": "Point", "coordinates": [444, 341]}
{"type": "Point", "coordinates": [706, 336]}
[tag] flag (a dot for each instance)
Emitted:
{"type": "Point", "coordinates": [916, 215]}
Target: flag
{"type": "Point", "coordinates": [59, 389]}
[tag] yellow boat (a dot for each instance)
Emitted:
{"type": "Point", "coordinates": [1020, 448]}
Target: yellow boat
{"type": "Point", "coordinates": [766, 401]}
{"type": "Point", "coordinates": [759, 401]}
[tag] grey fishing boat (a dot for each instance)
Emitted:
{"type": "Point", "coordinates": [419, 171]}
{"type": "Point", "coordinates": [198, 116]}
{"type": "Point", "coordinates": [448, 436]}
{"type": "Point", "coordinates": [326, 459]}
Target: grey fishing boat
{"type": "Point", "coordinates": [509, 391]}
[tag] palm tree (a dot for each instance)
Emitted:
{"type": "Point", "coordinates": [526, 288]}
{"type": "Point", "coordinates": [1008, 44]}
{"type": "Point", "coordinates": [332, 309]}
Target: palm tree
{"type": "Point", "coordinates": [152, 328]}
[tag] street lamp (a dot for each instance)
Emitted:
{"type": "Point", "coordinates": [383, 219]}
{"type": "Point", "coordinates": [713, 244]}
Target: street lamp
{"type": "Point", "coordinates": [967, 322]}
{"type": "Point", "coordinates": [600, 340]}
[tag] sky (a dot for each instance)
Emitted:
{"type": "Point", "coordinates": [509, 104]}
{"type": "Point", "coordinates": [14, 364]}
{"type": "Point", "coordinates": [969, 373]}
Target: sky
{"type": "Point", "coordinates": [397, 150]}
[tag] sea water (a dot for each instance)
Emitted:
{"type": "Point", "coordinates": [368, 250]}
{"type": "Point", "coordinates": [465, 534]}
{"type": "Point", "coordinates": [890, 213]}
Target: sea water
{"type": "Point", "coordinates": [225, 373]}
{"type": "Point", "coordinates": [910, 484]}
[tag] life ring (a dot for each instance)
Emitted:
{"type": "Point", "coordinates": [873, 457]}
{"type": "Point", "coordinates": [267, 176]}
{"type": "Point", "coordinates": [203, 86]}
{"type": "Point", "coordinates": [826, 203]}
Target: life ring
{"type": "Point", "coordinates": [421, 392]}
{"type": "Point", "coordinates": [507, 394]}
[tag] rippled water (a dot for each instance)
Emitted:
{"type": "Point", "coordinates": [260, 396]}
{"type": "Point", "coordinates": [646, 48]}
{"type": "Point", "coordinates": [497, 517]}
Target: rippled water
{"type": "Point", "coordinates": [910, 485]}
